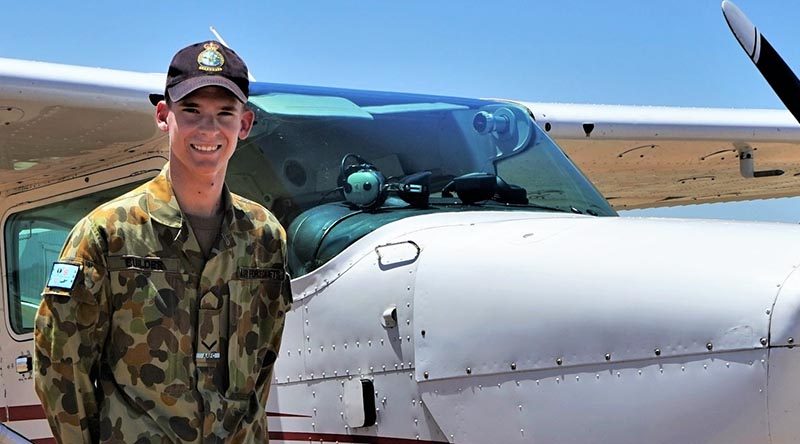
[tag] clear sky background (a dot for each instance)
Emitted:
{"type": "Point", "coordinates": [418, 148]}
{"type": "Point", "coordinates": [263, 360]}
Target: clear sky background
{"type": "Point", "coordinates": [635, 52]}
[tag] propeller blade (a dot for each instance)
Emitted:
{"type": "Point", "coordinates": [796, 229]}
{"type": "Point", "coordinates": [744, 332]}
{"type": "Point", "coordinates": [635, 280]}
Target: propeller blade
{"type": "Point", "coordinates": [777, 73]}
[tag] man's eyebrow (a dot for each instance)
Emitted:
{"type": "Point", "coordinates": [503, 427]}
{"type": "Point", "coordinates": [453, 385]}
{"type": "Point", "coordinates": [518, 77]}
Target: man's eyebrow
{"type": "Point", "coordinates": [197, 105]}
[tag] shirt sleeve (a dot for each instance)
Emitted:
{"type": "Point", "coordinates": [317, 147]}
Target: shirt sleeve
{"type": "Point", "coordinates": [70, 329]}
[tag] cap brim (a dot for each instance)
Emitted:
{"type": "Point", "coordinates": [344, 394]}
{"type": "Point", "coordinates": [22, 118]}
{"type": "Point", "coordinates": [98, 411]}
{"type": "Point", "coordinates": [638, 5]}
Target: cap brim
{"type": "Point", "coordinates": [182, 89]}
{"type": "Point", "coordinates": [155, 98]}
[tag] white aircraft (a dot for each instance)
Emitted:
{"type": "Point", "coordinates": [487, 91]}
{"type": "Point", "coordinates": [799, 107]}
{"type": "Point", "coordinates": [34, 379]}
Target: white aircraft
{"type": "Point", "coordinates": [456, 277]}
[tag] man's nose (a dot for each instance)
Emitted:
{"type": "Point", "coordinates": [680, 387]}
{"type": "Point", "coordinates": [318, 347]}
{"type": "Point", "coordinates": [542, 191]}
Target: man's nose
{"type": "Point", "coordinates": [208, 124]}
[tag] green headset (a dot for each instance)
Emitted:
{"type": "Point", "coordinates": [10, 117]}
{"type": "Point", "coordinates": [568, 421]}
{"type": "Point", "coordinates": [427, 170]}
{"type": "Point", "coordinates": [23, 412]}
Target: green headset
{"type": "Point", "coordinates": [363, 186]}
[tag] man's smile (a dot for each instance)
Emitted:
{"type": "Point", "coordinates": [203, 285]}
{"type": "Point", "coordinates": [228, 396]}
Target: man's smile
{"type": "Point", "coordinates": [205, 148]}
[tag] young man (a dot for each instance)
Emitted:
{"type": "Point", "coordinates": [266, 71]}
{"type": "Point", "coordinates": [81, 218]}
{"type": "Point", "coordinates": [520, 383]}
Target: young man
{"type": "Point", "coordinates": [163, 316]}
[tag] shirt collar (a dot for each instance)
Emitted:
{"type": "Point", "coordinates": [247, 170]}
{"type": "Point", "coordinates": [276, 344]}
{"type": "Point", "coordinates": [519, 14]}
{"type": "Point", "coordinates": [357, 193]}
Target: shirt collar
{"type": "Point", "coordinates": [162, 205]}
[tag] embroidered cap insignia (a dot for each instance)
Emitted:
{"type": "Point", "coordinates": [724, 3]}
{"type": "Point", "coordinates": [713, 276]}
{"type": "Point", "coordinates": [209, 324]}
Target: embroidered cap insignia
{"type": "Point", "coordinates": [210, 59]}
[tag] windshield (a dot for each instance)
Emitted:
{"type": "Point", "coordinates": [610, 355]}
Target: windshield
{"type": "Point", "coordinates": [310, 146]}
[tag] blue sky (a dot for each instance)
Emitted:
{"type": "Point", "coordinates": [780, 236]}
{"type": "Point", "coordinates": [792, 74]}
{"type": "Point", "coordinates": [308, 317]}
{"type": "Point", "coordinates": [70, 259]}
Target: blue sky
{"type": "Point", "coordinates": [677, 52]}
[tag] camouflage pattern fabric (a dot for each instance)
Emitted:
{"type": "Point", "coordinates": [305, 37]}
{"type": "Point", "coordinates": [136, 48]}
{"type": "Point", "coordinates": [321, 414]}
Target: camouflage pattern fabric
{"type": "Point", "coordinates": [154, 345]}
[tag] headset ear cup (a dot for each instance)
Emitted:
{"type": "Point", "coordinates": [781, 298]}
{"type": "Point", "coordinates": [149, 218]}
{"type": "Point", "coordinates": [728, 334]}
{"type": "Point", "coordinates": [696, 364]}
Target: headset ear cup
{"type": "Point", "coordinates": [362, 185]}
{"type": "Point", "coordinates": [365, 188]}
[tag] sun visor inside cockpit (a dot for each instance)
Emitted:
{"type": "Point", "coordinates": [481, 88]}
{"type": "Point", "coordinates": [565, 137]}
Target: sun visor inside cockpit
{"type": "Point", "coordinates": [309, 106]}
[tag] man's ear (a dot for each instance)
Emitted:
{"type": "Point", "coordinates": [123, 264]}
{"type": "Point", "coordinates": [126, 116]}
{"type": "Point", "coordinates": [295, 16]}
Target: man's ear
{"type": "Point", "coordinates": [248, 117]}
{"type": "Point", "coordinates": [162, 111]}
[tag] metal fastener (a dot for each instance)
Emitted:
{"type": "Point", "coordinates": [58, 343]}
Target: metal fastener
{"type": "Point", "coordinates": [559, 361]}
{"type": "Point", "coordinates": [513, 366]}
{"type": "Point", "coordinates": [790, 340]}
{"type": "Point", "coordinates": [710, 346]}
{"type": "Point", "coordinates": [658, 352]}
{"type": "Point", "coordinates": [608, 356]}
{"type": "Point", "coordinates": [763, 341]}
{"type": "Point", "coordinates": [469, 371]}
{"type": "Point", "coordinates": [426, 375]}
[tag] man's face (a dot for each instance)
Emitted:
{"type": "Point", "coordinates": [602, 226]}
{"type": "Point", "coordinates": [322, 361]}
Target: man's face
{"type": "Point", "coordinates": [204, 128]}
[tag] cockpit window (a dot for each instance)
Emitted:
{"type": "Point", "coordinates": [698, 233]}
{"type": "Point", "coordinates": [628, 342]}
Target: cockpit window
{"type": "Point", "coordinates": [459, 154]}
{"type": "Point", "coordinates": [33, 240]}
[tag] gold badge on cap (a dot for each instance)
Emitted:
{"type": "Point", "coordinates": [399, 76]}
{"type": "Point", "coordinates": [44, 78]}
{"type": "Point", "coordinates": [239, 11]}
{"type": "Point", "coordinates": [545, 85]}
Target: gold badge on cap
{"type": "Point", "coordinates": [210, 59]}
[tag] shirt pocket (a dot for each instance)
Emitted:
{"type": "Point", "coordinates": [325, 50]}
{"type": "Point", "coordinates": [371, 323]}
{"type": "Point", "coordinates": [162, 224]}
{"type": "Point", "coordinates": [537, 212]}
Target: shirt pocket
{"type": "Point", "coordinates": [151, 342]}
{"type": "Point", "coordinates": [252, 318]}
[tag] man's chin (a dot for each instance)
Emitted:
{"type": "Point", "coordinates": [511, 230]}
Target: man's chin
{"type": "Point", "coordinates": [210, 166]}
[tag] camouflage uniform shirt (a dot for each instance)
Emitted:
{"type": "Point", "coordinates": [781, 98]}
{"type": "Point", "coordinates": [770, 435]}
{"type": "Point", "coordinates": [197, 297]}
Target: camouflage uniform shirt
{"type": "Point", "coordinates": [152, 344]}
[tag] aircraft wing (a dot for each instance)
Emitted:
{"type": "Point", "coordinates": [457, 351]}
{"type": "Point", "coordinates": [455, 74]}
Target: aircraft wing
{"type": "Point", "coordinates": [61, 121]}
{"type": "Point", "coordinates": [49, 113]}
{"type": "Point", "coordinates": [640, 156]}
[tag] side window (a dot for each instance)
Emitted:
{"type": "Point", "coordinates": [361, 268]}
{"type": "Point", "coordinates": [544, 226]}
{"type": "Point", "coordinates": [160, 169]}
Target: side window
{"type": "Point", "coordinates": [33, 240]}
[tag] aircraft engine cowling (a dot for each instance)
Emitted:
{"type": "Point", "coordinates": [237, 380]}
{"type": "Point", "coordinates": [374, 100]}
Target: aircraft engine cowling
{"type": "Point", "coordinates": [563, 326]}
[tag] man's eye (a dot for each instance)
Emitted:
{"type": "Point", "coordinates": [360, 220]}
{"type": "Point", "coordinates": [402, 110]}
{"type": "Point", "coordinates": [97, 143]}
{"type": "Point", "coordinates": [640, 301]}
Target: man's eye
{"type": "Point", "coordinates": [190, 110]}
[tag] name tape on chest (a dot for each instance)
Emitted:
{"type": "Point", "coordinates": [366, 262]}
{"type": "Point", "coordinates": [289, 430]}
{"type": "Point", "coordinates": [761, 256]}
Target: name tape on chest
{"type": "Point", "coordinates": [273, 274]}
{"type": "Point", "coordinates": [142, 263]}
{"type": "Point", "coordinates": [63, 276]}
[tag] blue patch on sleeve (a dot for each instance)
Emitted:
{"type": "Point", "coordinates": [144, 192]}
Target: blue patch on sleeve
{"type": "Point", "coordinates": [63, 276]}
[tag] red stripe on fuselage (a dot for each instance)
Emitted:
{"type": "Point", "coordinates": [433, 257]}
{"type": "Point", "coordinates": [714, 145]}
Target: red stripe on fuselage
{"type": "Point", "coordinates": [25, 412]}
